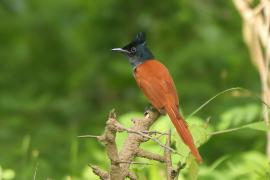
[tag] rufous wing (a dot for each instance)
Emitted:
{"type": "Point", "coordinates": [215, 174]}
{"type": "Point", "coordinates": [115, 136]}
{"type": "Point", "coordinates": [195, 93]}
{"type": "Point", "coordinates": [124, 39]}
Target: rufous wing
{"type": "Point", "coordinates": [154, 80]}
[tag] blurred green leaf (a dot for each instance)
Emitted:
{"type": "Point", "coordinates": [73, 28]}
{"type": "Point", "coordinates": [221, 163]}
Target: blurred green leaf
{"type": "Point", "coordinates": [258, 126]}
{"type": "Point", "coordinates": [239, 116]}
{"type": "Point", "coordinates": [193, 170]}
{"type": "Point", "coordinates": [7, 174]}
{"type": "Point", "coordinates": [217, 163]}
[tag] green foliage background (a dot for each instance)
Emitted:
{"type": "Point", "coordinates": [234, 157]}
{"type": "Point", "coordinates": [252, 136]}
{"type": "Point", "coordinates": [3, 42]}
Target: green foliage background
{"type": "Point", "coordinates": [59, 80]}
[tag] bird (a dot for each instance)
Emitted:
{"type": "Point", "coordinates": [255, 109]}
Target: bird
{"type": "Point", "coordinates": [156, 83]}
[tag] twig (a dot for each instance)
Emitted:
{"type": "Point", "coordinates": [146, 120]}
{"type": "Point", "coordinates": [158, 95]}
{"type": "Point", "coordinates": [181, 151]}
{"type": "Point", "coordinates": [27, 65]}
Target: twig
{"type": "Point", "coordinates": [226, 131]}
{"type": "Point", "coordinates": [104, 175]}
{"type": "Point", "coordinates": [121, 128]}
{"type": "Point", "coordinates": [179, 167]}
{"type": "Point", "coordinates": [88, 136]}
{"type": "Point", "coordinates": [140, 163]}
{"type": "Point", "coordinates": [209, 100]}
{"type": "Point", "coordinates": [35, 173]}
{"type": "Point", "coordinates": [131, 176]}
{"type": "Point", "coordinates": [155, 132]}
{"type": "Point", "coordinates": [167, 155]}
{"type": "Point", "coordinates": [149, 155]}
{"type": "Point", "coordinates": [152, 138]}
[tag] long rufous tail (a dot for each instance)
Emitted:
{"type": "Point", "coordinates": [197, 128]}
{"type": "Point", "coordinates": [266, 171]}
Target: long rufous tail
{"type": "Point", "coordinates": [182, 129]}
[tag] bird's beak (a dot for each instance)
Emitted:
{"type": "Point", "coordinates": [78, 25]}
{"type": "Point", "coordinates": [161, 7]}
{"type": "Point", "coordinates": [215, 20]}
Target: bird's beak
{"type": "Point", "coordinates": [120, 50]}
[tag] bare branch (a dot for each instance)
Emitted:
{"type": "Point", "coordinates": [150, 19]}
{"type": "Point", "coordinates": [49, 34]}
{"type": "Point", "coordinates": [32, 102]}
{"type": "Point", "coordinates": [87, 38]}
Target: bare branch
{"type": "Point", "coordinates": [149, 137]}
{"type": "Point", "coordinates": [88, 136]}
{"type": "Point", "coordinates": [256, 25]}
{"type": "Point", "coordinates": [155, 133]}
{"type": "Point", "coordinates": [149, 155]}
{"type": "Point", "coordinates": [99, 172]}
{"type": "Point", "coordinates": [167, 155]}
{"type": "Point", "coordinates": [110, 145]}
{"type": "Point", "coordinates": [140, 163]}
{"type": "Point", "coordinates": [131, 176]}
{"type": "Point", "coordinates": [137, 134]}
{"type": "Point", "coordinates": [133, 141]}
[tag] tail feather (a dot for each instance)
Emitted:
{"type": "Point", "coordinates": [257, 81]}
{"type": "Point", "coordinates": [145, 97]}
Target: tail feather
{"type": "Point", "coordinates": [182, 129]}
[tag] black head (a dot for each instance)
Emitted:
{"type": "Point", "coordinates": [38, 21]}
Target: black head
{"type": "Point", "coordinates": [136, 51]}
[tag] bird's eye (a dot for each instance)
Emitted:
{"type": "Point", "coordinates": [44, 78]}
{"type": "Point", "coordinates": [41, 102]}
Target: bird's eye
{"type": "Point", "coordinates": [133, 49]}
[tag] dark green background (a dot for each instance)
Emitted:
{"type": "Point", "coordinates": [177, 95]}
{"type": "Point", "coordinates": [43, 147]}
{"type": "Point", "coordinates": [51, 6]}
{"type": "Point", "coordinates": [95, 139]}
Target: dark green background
{"type": "Point", "coordinates": [59, 79]}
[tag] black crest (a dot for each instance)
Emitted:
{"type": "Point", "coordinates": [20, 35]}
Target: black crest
{"type": "Point", "coordinates": [140, 38]}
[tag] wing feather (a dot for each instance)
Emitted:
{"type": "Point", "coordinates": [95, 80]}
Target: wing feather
{"type": "Point", "coordinates": [154, 80]}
